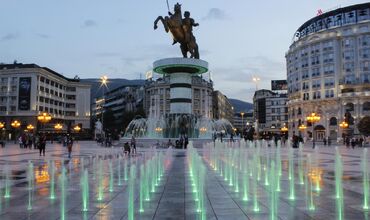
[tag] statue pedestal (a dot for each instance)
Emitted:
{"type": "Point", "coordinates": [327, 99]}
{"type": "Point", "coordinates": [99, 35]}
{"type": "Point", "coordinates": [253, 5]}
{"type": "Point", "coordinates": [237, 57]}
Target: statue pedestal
{"type": "Point", "coordinates": [180, 71]}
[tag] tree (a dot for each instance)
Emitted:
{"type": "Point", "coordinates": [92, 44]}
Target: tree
{"type": "Point", "coordinates": [364, 126]}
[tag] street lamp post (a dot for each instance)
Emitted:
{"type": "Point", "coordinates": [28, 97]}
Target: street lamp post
{"type": "Point", "coordinates": [302, 127]}
{"type": "Point", "coordinates": [15, 124]}
{"type": "Point", "coordinates": [30, 127]}
{"type": "Point", "coordinates": [344, 125]}
{"type": "Point", "coordinates": [44, 118]}
{"type": "Point", "coordinates": [312, 118]}
{"type": "Point", "coordinates": [104, 82]}
{"type": "Point", "coordinates": [256, 79]}
{"type": "Point", "coordinates": [242, 114]}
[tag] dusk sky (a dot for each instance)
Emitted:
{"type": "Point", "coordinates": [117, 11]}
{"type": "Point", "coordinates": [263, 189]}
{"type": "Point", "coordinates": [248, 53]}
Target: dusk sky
{"type": "Point", "coordinates": [91, 38]}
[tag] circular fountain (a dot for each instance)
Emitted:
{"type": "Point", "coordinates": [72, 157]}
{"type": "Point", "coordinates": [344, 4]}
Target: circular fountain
{"type": "Point", "coordinates": [181, 120]}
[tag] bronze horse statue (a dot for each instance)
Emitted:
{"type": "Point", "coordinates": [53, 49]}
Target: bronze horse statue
{"type": "Point", "coordinates": [176, 25]}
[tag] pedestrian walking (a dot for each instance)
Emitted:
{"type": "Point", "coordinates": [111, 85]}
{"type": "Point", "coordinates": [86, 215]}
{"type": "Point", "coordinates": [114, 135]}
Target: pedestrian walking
{"type": "Point", "coordinates": [29, 142]}
{"type": "Point", "coordinates": [353, 143]}
{"type": "Point", "coordinates": [126, 149]}
{"type": "Point", "coordinates": [20, 142]}
{"type": "Point", "coordinates": [69, 145]}
{"type": "Point", "coordinates": [42, 144]}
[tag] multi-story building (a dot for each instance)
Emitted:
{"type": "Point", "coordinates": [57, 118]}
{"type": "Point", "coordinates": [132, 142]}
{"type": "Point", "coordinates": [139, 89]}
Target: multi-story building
{"type": "Point", "coordinates": [27, 90]}
{"type": "Point", "coordinates": [242, 120]}
{"type": "Point", "coordinates": [270, 110]}
{"type": "Point", "coordinates": [328, 71]}
{"type": "Point", "coordinates": [120, 100]}
{"type": "Point", "coordinates": [157, 97]}
{"type": "Point", "coordinates": [222, 107]}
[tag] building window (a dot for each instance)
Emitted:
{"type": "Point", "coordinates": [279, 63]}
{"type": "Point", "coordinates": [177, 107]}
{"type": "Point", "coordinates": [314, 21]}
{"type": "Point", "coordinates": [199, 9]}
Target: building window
{"type": "Point", "coordinates": [315, 72]}
{"type": "Point", "coordinates": [328, 57]}
{"type": "Point", "coordinates": [365, 53]}
{"type": "Point", "coordinates": [305, 85]}
{"type": "Point", "coordinates": [316, 84]}
{"type": "Point", "coordinates": [366, 106]}
{"type": "Point", "coordinates": [329, 93]}
{"type": "Point", "coordinates": [306, 96]}
{"type": "Point", "coordinates": [329, 82]}
{"type": "Point", "coordinates": [350, 79]}
{"type": "Point", "coordinates": [316, 95]}
{"type": "Point", "coordinates": [333, 121]}
{"type": "Point", "coordinates": [349, 67]}
{"type": "Point", "coordinates": [348, 55]}
{"type": "Point", "coordinates": [365, 77]}
{"type": "Point", "coordinates": [348, 43]}
{"type": "Point", "coordinates": [349, 107]}
{"type": "Point", "coordinates": [315, 60]}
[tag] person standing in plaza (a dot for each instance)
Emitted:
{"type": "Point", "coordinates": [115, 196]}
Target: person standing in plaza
{"type": "Point", "coordinates": [69, 145]}
{"type": "Point", "coordinates": [42, 144]}
{"type": "Point", "coordinates": [186, 141]}
{"type": "Point", "coordinates": [133, 145]}
{"type": "Point", "coordinates": [29, 141]}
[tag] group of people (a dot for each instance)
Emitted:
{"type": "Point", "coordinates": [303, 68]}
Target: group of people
{"type": "Point", "coordinates": [38, 141]}
{"type": "Point", "coordinates": [127, 147]}
{"type": "Point", "coordinates": [182, 142]}
{"type": "Point", "coordinates": [353, 142]}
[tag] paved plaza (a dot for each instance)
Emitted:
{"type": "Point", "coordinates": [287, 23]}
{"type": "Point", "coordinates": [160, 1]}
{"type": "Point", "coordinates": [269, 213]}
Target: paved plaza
{"type": "Point", "coordinates": [173, 196]}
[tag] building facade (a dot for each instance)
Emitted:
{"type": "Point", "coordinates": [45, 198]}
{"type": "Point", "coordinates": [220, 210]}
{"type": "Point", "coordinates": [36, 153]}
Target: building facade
{"type": "Point", "coordinates": [328, 72]}
{"type": "Point", "coordinates": [157, 97]}
{"type": "Point", "coordinates": [27, 90]}
{"type": "Point", "coordinates": [222, 107]}
{"type": "Point", "coordinates": [270, 110]}
{"type": "Point", "coordinates": [119, 101]}
{"type": "Point", "coordinates": [242, 122]}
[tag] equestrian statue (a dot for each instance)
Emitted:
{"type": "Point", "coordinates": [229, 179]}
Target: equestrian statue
{"type": "Point", "coordinates": [181, 30]}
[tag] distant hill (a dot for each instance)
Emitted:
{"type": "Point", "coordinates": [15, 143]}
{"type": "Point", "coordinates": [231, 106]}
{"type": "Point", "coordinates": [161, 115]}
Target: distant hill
{"type": "Point", "coordinates": [241, 106]}
{"type": "Point", "coordinates": [97, 91]}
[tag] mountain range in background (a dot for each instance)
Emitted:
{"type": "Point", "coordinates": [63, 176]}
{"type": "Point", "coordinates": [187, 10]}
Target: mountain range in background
{"type": "Point", "coordinates": [97, 91]}
{"type": "Point", "coordinates": [241, 106]}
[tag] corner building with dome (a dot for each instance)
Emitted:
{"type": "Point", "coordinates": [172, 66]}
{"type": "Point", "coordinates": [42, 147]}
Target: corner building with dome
{"type": "Point", "coordinates": [328, 73]}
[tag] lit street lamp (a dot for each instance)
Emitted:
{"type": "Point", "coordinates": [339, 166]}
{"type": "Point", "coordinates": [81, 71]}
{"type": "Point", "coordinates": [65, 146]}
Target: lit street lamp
{"type": "Point", "coordinates": [284, 129]}
{"type": "Point", "coordinates": [2, 125]}
{"type": "Point", "coordinates": [58, 127]}
{"type": "Point", "coordinates": [30, 127]}
{"type": "Point", "coordinates": [77, 128]}
{"type": "Point", "coordinates": [313, 118]}
{"type": "Point", "coordinates": [104, 82]}
{"type": "Point", "coordinates": [15, 124]}
{"type": "Point", "coordinates": [242, 114]}
{"type": "Point", "coordinates": [44, 118]}
{"type": "Point", "coordinates": [256, 79]}
{"type": "Point", "coordinates": [343, 125]}
{"type": "Point", "coordinates": [301, 128]}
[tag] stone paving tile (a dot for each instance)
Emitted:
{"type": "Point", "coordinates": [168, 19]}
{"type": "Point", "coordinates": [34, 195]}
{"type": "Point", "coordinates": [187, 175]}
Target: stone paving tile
{"type": "Point", "coordinates": [174, 198]}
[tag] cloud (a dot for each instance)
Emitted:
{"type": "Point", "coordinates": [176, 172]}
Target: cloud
{"type": "Point", "coordinates": [236, 80]}
{"type": "Point", "coordinates": [215, 14]}
{"type": "Point", "coordinates": [89, 23]}
{"type": "Point", "coordinates": [41, 35]}
{"type": "Point", "coordinates": [10, 36]}
{"type": "Point", "coordinates": [108, 54]}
